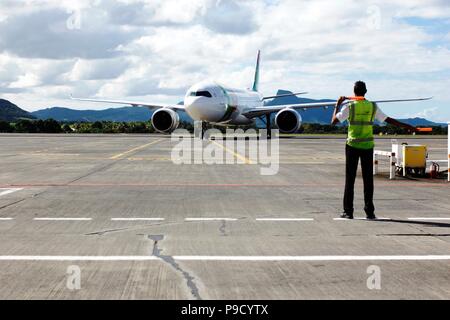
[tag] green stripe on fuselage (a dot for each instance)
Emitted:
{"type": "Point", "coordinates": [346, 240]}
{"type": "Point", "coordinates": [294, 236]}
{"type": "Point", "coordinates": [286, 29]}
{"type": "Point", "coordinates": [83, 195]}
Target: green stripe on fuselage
{"type": "Point", "coordinates": [229, 108]}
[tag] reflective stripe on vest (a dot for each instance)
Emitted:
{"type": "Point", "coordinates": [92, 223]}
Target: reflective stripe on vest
{"type": "Point", "coordinates": [361, 120]}
{"type": "Point", "coordinates": [362, 123]}
{"type": "Point", "coordinates": [362, 140]}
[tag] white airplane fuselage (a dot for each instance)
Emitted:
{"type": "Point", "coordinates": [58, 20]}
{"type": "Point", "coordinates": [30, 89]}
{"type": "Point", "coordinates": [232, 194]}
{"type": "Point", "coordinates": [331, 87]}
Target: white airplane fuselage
{"type": "Point", "coordinates": [209, 101]}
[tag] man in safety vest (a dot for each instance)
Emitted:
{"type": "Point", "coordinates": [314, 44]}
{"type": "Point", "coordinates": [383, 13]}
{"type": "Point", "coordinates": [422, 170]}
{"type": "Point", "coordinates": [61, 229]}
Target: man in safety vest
{"type": "Point", "coordinates": [360, 115]}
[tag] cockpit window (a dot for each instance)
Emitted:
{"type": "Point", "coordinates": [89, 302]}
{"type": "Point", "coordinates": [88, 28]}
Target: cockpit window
{"type": "Point", "coordinates": [201, 94]}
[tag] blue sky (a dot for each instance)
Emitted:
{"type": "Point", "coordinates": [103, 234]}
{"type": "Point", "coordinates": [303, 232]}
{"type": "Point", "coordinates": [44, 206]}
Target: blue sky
{"type": "Point", "coordinates": [155, 50]}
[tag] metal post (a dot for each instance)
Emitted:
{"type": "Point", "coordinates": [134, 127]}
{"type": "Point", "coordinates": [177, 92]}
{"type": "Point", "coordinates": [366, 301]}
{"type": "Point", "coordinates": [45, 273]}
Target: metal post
{"type": "Point", "coordinates": [269, 127]}
{"type": "Point", "coordinates": [375, 164]}
{"type": "Point", "coordinates": [393, 161]}
{"type": "Point", "coordinates": [448, 137]}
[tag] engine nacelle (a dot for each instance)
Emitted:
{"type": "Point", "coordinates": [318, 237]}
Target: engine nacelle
{"type": "Point", "coordinates": [288, 120]}
{"type": "Point", "coordinates": [165, 120]}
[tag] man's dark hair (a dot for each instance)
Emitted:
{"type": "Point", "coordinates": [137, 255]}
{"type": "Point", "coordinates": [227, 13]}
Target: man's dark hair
{"type": "Point", "coordinates": [360, 88]}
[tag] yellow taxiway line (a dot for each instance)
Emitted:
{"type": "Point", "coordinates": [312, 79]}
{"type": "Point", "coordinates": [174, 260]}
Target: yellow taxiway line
{"type": "Point", "coordinates": [117, 156]}
{"type": "Point", "coordinates": [237, 155]}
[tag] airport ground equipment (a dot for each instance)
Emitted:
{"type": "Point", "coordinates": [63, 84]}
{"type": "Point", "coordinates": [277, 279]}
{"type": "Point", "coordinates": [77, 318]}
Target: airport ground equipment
{"type": "Point", "coordinates": [415, 160]}
{"type": "Point", "coordinates": [403, 159]}
{"type": "Point", "coordinates": [411, 158]}
{"type": "Point", "coordinates": [442, 163]}
{"type": "Point", "coordinates": [392, 162]}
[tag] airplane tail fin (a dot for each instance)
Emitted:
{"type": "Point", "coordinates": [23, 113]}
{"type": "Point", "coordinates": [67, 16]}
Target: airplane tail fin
{"type": "Point", "coordinates": [256, 80]}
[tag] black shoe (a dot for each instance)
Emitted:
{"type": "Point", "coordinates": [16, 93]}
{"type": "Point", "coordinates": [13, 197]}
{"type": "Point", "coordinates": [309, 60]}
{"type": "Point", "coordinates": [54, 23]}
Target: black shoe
{"type": "Point", "coordinates": [371, 217]}
{"type": "Point", "coordinates": [347, 216]}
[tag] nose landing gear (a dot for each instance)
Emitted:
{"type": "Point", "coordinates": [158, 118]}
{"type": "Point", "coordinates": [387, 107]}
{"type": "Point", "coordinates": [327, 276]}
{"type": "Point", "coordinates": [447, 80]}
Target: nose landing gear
{"type": "Point", "coordinates": [200, 128]}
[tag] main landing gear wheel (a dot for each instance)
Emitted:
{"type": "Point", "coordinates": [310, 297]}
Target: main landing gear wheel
{"type": "Point", "coordinates": [204, 128]}
{"type": "Point", "coordinates": [269, 127]}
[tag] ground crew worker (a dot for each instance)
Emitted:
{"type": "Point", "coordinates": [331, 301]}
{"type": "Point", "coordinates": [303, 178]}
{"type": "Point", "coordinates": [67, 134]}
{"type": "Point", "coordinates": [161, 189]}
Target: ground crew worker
{"type": "Point", "coordinates": [361, 115]}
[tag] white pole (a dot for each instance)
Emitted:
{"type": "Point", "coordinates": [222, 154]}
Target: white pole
{"type": "Point", "coordinates": [448, 136]}
{"type": "Point", "coordinates": [393, 161]}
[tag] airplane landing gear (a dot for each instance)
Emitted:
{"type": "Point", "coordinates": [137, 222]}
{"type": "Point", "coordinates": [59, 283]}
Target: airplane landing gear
{"type": "Point", "coordinates": [204, 128]}
{"type": "Point", "coordinates": [200, 128]}
{"type": "Point", "coordinates": [269, 127]}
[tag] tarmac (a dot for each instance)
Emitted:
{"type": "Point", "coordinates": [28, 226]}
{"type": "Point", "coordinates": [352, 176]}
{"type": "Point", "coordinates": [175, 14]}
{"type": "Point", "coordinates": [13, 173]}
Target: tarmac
{"type": "Point", "coordinates": [112, 217]}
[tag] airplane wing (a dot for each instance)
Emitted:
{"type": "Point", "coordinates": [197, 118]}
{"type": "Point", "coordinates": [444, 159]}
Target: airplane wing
{"type": "Point", "coordinates": [151, 106]}
{"type": "Point", "coordinates": [260, 111]}
{"type": "Point", "coordinates": [285, 95]}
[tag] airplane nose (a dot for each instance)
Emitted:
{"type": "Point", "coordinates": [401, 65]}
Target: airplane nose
{"type": "Point", "coordinates": [195, 107]}
{"type": "Point", "coordinates": [201, 108]}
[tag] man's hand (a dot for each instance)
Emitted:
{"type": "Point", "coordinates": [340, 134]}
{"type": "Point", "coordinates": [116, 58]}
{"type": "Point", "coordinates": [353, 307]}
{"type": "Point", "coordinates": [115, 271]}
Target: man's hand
{"type": "Point", "coordinates": [334, 119]}
{"type": "Point", "coordinates": [340, 101]}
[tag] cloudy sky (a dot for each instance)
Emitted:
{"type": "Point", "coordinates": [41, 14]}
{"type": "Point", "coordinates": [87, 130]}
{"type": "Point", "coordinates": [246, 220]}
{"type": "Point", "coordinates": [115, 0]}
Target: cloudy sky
{"type": "Point", "coordinates": [154, 50]}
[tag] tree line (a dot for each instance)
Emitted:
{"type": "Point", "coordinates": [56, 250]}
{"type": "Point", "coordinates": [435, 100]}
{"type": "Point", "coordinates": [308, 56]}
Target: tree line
{"type": "Point", "coordinates": [53, 126]}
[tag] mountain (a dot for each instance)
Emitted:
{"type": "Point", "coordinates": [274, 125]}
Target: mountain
{"type": "Point", "coordinates": [10, 112]}
{"type": "Point", "coordinates": [123, 114]}
{"type": "Point", "coordinates": [422, 122]}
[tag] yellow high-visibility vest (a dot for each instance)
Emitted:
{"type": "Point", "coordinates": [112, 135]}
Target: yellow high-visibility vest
{"type": "Point", "coordinates": [360, 129]}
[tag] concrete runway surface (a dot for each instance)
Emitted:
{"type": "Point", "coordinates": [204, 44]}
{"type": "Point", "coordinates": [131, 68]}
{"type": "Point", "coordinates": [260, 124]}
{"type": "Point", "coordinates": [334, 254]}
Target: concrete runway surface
{"type": "Point", "coordinates": [137, 226]}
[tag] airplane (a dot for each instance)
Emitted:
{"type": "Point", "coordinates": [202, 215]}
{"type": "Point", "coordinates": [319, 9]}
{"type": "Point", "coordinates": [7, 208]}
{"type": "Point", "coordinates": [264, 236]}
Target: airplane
{"type": "Point", "coordinates": [211, 102]}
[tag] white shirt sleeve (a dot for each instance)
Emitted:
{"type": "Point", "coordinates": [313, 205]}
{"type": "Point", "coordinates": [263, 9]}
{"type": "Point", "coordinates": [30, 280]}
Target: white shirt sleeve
{"type": "Point", "coordinates": [380, 116]}
{"type": "Point", "coordinates": [344, 114]}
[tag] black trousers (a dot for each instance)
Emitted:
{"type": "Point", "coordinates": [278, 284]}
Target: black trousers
{"type": "Point", "coordinates": [352, 156]}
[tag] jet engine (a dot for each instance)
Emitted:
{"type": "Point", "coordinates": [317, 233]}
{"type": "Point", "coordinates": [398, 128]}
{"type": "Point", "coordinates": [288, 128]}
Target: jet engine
{"type": "Point", "coordinates": [165, 120]}
{"type": "Point", "coordinates": [288, 120]}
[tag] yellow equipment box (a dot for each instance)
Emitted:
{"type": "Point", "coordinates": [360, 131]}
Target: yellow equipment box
{"type": "Point", "coordinates": [414, 156]}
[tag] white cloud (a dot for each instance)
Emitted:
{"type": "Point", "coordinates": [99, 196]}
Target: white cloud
{"type": "Point", "coordinates": [151, 49]}
{"type": "Point", "coordinates": [432, 114]}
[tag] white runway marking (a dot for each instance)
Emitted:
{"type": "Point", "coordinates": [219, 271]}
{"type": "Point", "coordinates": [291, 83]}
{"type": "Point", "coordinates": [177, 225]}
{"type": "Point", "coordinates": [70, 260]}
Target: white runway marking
{"type": "Point", "coordinates": [6, 219]}
{"type": "Point", "coordinates": [62, 219]}
{"type": "Point", "coordinates": [78, 258]}
{"type": "Point", "coordinates": [362, 219]}
{"type": "Point", "coordinates": [431, 219]}
{"type": "Point", "coordinates": [210, 219]}
{"type": "Point", "coordinates": [232, 258]}
{"type": "Point", "coordinates": [312, 258]}
{"type": "Point", "coordinates": [284, 219]}
{"type": "Point", "coordinates": [8, 191]}
{"type": "Point", "coordinates": [137, 219]}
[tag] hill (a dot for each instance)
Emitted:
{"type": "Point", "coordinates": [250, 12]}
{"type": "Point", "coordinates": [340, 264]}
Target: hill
{"type": "Point", "coordinates": [123, 114]}
{"type": "Point", "coordinates": [10, 112]}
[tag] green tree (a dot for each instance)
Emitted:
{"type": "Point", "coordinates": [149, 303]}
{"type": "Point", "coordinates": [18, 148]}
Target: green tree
{"type": "Point", "coordinates": [49, 126]}
{"type": "Point", "coordinates": [5, 127]}
{"type": "Point", "coordinates": [25, 126]}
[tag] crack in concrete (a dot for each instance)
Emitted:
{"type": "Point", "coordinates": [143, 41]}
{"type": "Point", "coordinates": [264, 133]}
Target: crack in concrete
{"type": "Point", "coordinates": [11, 204]}
{"type": "Point", "coordinates": [94, 171]}
{"type": "Point", "coordinates": [138, 227]}
{"type": "Point", "coordinates": [222, 228]}
{"type": "Point", "coordinates": [103, 232]}
{"type": "Point", "coordinates": [22, 200]}
{"type": "Point", "coordinates": [171, 262]}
